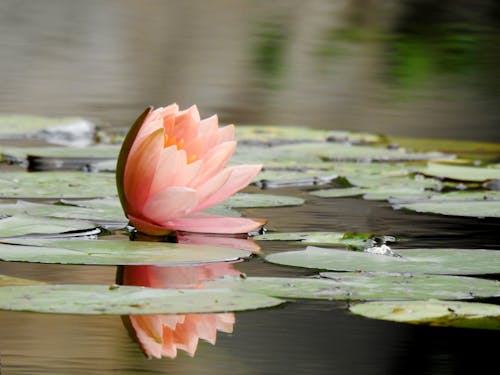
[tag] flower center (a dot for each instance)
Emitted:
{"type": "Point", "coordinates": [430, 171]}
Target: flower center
{"type": "Point", "coordinates": [171, 141]}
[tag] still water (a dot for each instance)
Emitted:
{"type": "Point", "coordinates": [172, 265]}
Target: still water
{"type": "Point", "coordinates": [413, 70]}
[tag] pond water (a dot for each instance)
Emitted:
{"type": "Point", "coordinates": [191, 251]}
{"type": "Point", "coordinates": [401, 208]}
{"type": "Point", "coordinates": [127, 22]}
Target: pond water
{"type": "Point", "coordinates": [322, 64]}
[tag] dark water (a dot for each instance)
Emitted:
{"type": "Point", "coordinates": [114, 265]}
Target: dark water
{"type": "Point", "coordinates": [414, 68]}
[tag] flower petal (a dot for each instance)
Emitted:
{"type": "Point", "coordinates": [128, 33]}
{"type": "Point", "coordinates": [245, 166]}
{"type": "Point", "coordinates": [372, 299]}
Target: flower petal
{"type": "Point", "coordinates": [171, 202]}
{"type": "Point", "coordinates": [166, 169]}
{"type": "Point", "coordinates": [140, 170]}
{"type": "Point", "coordinates": [225, 134]}
{"type": "Point", "coordinates": [241, 176]}
{"type": "Point", "coordinates": [205, 223]}
{"type": "Point", "coordinates": [213, 162]}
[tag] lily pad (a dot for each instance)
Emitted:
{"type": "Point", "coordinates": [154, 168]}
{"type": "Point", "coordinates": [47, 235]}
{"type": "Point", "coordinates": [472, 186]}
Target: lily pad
{"type": "Point", "coordinates": [479, 209]}
{"type": "Point", "coordinates": [429, 261]}
{"type": "Point", "coordinates": [114, 252]}
{"type": "Point", "coordinates": [354, 240]}
{"type": "Point", "coordinates": [433, 312]}
{"type": "Point", "coordinates": [127, 300]}
{"type": "Point", "coordinates": [56, 185]}
{"type": "Point", "coordinates": [98, 152]}
{"type": "Point", "coordinates": [20, 225]}
{"type": "Point", "coordinates": [6, 280]}
{"type": "Point", "coordinates": [253, 200]}
{"type": "Point", "coordinates": [365, 286]}
{"type": "Point", "coordinates": [338, 193]}
{"type": "Point", "coordinates": [461, 173]}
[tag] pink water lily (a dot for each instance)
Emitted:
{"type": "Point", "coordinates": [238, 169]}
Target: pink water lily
{"type": "Point", "coordinates": [173, 165]}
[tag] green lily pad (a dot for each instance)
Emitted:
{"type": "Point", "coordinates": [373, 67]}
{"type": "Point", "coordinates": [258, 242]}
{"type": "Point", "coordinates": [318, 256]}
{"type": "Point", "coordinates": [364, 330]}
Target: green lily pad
{"type": "Point", "coordinates": [365, 286]}
{"type": "Point", "coordinates": [127, 300]}
{"type": "Point", "coordinates": [102, 210]}
{"type": "Point", "coordinates": [354, 240]}
{"type": "Point", "coordinates": [433, 312]}
{"type": "Point", "coordinates": [479, 209]}
{"type": "Point", "coordinates": [113, 252]}
{"type": "Point", "coordinates": [56, 185]}
{"type": "Point", "coordinates": [253, 200]}
{"type": "Point", "coordinates": [429, 261]}
{"type": "Point", "coordinates": [338, 193]}
{"type": "Point", "coordinates": [94, 152]}
{"type": "Point", "coordinates": [461, 173]}
{"type": "Point", "coordinates": [6, 280]}
{"type": "Point", "coordinates": [20, 225]}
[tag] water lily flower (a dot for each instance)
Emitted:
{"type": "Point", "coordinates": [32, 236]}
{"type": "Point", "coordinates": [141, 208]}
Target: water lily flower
{"type": "Point", "coordinates": [172, 165]}
{"type": "Point", "coordinates": [163, 335]}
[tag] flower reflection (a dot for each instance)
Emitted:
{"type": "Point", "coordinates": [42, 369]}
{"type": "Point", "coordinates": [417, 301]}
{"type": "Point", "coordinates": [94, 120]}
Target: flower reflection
{"type": "Point", "coordinates": [163, 335]}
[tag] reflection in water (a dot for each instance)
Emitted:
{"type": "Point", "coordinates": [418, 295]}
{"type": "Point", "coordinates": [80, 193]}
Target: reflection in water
{"type": "Point", "coordinates": [162, 335]}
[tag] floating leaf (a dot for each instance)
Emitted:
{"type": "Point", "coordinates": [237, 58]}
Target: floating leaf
{"type": "Point", "coordinates": [114, 252]}
{"type": "Point", "coordinates": [430, 261]}
{"type": "Point", "coordinates": [56, 185]}
{"type": "Point", "coordinates": [95, 153]}
{"type": "Point", "coordinates": [461, 173]}
{"type": "Point", "coordinates": [127, 300]}
{"type": "Point", "coordinates": [10, 280]}
{"type": "Point", "coordinates": [20, 225]}
{"type": "Point", "coordinates": [365, 286]}
{"type": "Point", "coordinates": [480, 209]}
{"type": "Point", "coordinates": [356, 240]}
{"type": "Point", "coordinates": [338, 193]}
{"type": "Point", "coordinates": [433, 312]}
{"type": "Point", "coordinates": [102, 213]}
{"type": "Point", "coordinates": [248, 200]}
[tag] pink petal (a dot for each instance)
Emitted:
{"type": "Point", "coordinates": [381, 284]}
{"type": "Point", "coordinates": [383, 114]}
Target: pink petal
{"type": "Point", "coordinates": [166, 169]}
{"type": "Point", "coordinates": [140, 170]}
{"type": "Point", "coordinates": [241, 176]}
{"type": "Point", "coordinates": [186, 172]}
{"type": "Point", "coordinates": [225, 322]}
{"type": "Point", "coordinates": [213, 162]}
{"type": "Point", "coordinates": [171, 202]}
{"type": "Point", "coordinates": [225, 134]}
{"type": "Point", "coordinates": [205, 223]}
{"type": "Point", "coordinates": [210, 187]}
{"type": "Point", "coordinates": [208, 132]}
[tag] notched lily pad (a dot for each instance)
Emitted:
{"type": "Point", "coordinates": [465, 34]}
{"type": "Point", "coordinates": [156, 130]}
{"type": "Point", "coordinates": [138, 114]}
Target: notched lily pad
{"type": "Point", "coordinates": [365, 286]}
{"type": "Point", "coordinates": [114, 252]}
{"type": "Point", "coordinates": [127, 300]}
{"type": "Point", "coordinates": [428, 261]}
{"type": "Point", "coordinates": [433, 312]}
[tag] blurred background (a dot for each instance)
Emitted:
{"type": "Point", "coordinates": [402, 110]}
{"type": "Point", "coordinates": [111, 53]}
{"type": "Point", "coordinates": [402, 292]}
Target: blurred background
{"type": "Point", "coordinates": [413, 68]}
